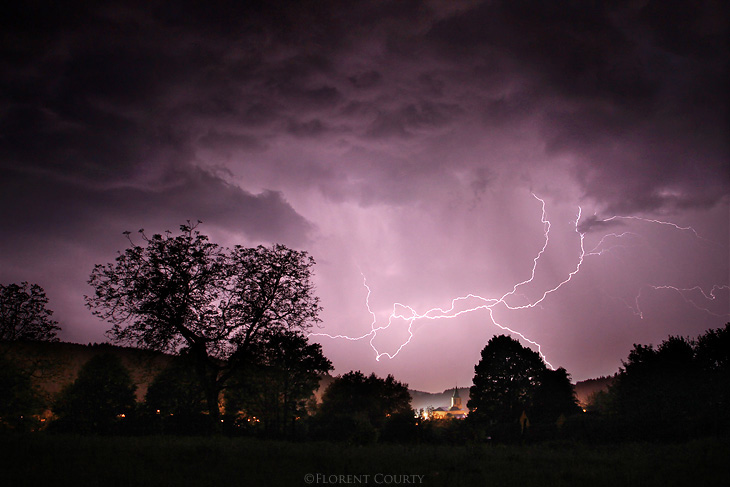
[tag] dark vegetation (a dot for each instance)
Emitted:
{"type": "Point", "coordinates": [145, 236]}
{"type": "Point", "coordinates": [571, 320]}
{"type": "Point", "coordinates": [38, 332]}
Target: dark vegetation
{"type": "Point", "coordinates": [19, 401]}
{"type": "Point", "coordinates": [276, 389]}
{"type": "Point", "coordinates": [238, 372]}
{"type": "Point", "coordinates": [101, 396]}
{"type": "Point", "coordinates": [362, 409]}
{"type": "Point", "coordinates": [676, 391]}
{"type": "Point", "coordinates": [34, 460]}
{"type": "Point", "coordinates": [673, 392]}
{"type": "Point", "coordinates": [514, 392]}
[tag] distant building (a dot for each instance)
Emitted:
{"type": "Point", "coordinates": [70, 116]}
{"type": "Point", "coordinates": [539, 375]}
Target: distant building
{"type": "Point", "coordinates": [456, 410]}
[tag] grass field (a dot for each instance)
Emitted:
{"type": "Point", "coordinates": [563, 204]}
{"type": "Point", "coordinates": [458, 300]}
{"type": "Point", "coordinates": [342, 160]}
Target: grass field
{"type": "Point", "coordinates": [41, 460]}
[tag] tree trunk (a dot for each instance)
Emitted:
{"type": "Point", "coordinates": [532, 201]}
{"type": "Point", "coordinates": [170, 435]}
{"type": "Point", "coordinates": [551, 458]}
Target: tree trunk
{"type": "Point", "coordinates": [211, 397]}
{"type": "Point", "coordinates": [208, 375]}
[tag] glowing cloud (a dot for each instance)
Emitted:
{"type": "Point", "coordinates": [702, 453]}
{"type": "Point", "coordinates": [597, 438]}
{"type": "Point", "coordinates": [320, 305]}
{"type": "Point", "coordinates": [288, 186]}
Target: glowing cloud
{"type": "Point", "coordinates": [410, 315]}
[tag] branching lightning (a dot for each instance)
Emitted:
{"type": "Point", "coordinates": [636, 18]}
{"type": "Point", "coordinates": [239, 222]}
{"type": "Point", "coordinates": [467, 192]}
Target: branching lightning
{"type": "Point", "coordinates": [708, 296]}
{"type": "Point", "coordinates": [658, 222]}
{"type": "Point", "coordinates": [410, 315]}
{"type": "Point", "coordinates": [599, 247]}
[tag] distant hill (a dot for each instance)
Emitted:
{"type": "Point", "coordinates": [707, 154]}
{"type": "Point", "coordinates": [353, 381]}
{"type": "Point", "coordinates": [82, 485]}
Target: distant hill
{"type": "Point", "coordinates": [56, 364]}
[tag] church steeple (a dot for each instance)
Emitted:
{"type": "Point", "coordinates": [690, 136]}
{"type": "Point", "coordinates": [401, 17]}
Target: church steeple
{"type": "Point", "coordinates": [456, 399]}
{"type": "Point", "coordinates": [456, 411]}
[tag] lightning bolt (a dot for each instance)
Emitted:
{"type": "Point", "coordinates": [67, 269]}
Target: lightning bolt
{"type": "Point", "coordinates": [708, 296]}
{"type": "Point", "coordinates": [660, 222]}
{"type": "Point", "coordinates": [618, 217]}
{"type": "Point", "coordinates": [410, 316]}
{"type": "Point", "coordinates": [598, 250]}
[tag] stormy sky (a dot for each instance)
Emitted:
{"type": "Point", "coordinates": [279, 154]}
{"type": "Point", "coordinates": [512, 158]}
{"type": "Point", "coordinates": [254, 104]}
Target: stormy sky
{"type": "Point", "coordinates": [407, 145]}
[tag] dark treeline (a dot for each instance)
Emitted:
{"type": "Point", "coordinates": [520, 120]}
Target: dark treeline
{"type": "Point", "coordinates": [673, 392]}
{"type": "Point", "coordinates": [234, 322]}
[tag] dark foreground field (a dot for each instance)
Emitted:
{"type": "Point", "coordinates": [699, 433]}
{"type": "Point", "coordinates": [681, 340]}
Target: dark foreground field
{"type": "Point", "coordinates": [39, 460]}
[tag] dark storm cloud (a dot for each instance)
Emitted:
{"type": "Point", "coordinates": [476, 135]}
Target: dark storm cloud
{"type": "Point", "coordinates": [216, 139]}
{"type": "Point", "coordinates": [366, 80]}
{"type": "Point", "coordinates": [97, 110]}
{"type": "Point", "coordinates": [127, 166]}
{"type": "Point", "coordinates": [509, 109]}
{"type": "Point", "coordinates": [402, 121]}
{"type": "Point", "coordinates": [638, 89]}
{"type": "Point", "coordinates": [310, 128]}
{"type": "Point", "coordinates": [594, 223]}
{"type": "Point", "coordinates": [202, 195]}
{"type": "Point", "coordinates": [574, 47]}
{"type": "Point", "coordinates": [632, 92]}
{"type": "Point", "coordinates": [42, 205]}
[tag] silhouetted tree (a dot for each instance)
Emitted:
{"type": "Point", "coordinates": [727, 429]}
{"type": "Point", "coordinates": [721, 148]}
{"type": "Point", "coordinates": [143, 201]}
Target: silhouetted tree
{"type": "Point", "coordinates": [19, 401]}
{"type": "Point", "coordinates": [355, 407]}
{"type": "Point", "coordinates": [658, 385]}
{"type": "Point", "coordinates": [176, 398]}
{"type": "Point", "coordinates": [712, 353]}
{"type": "Point", "coordinates": [677, 389]}
{"type": "Point", "coordinates": [24, 315]}
{"type": "Point", "coordinates": [555, 396]}
{"type": "Point", "coordinates": [101, 396]}
{"type": "Point", "coordinates": [506, 380]}
{"type": "Point", "coordinates": [184, 291]}
{"type": "Point", "coordinates": [285, 372]}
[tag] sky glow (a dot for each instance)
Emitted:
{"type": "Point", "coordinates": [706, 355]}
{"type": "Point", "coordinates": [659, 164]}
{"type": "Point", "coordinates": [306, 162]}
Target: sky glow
{"type": "Point", "coordinates": [409, 315]}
